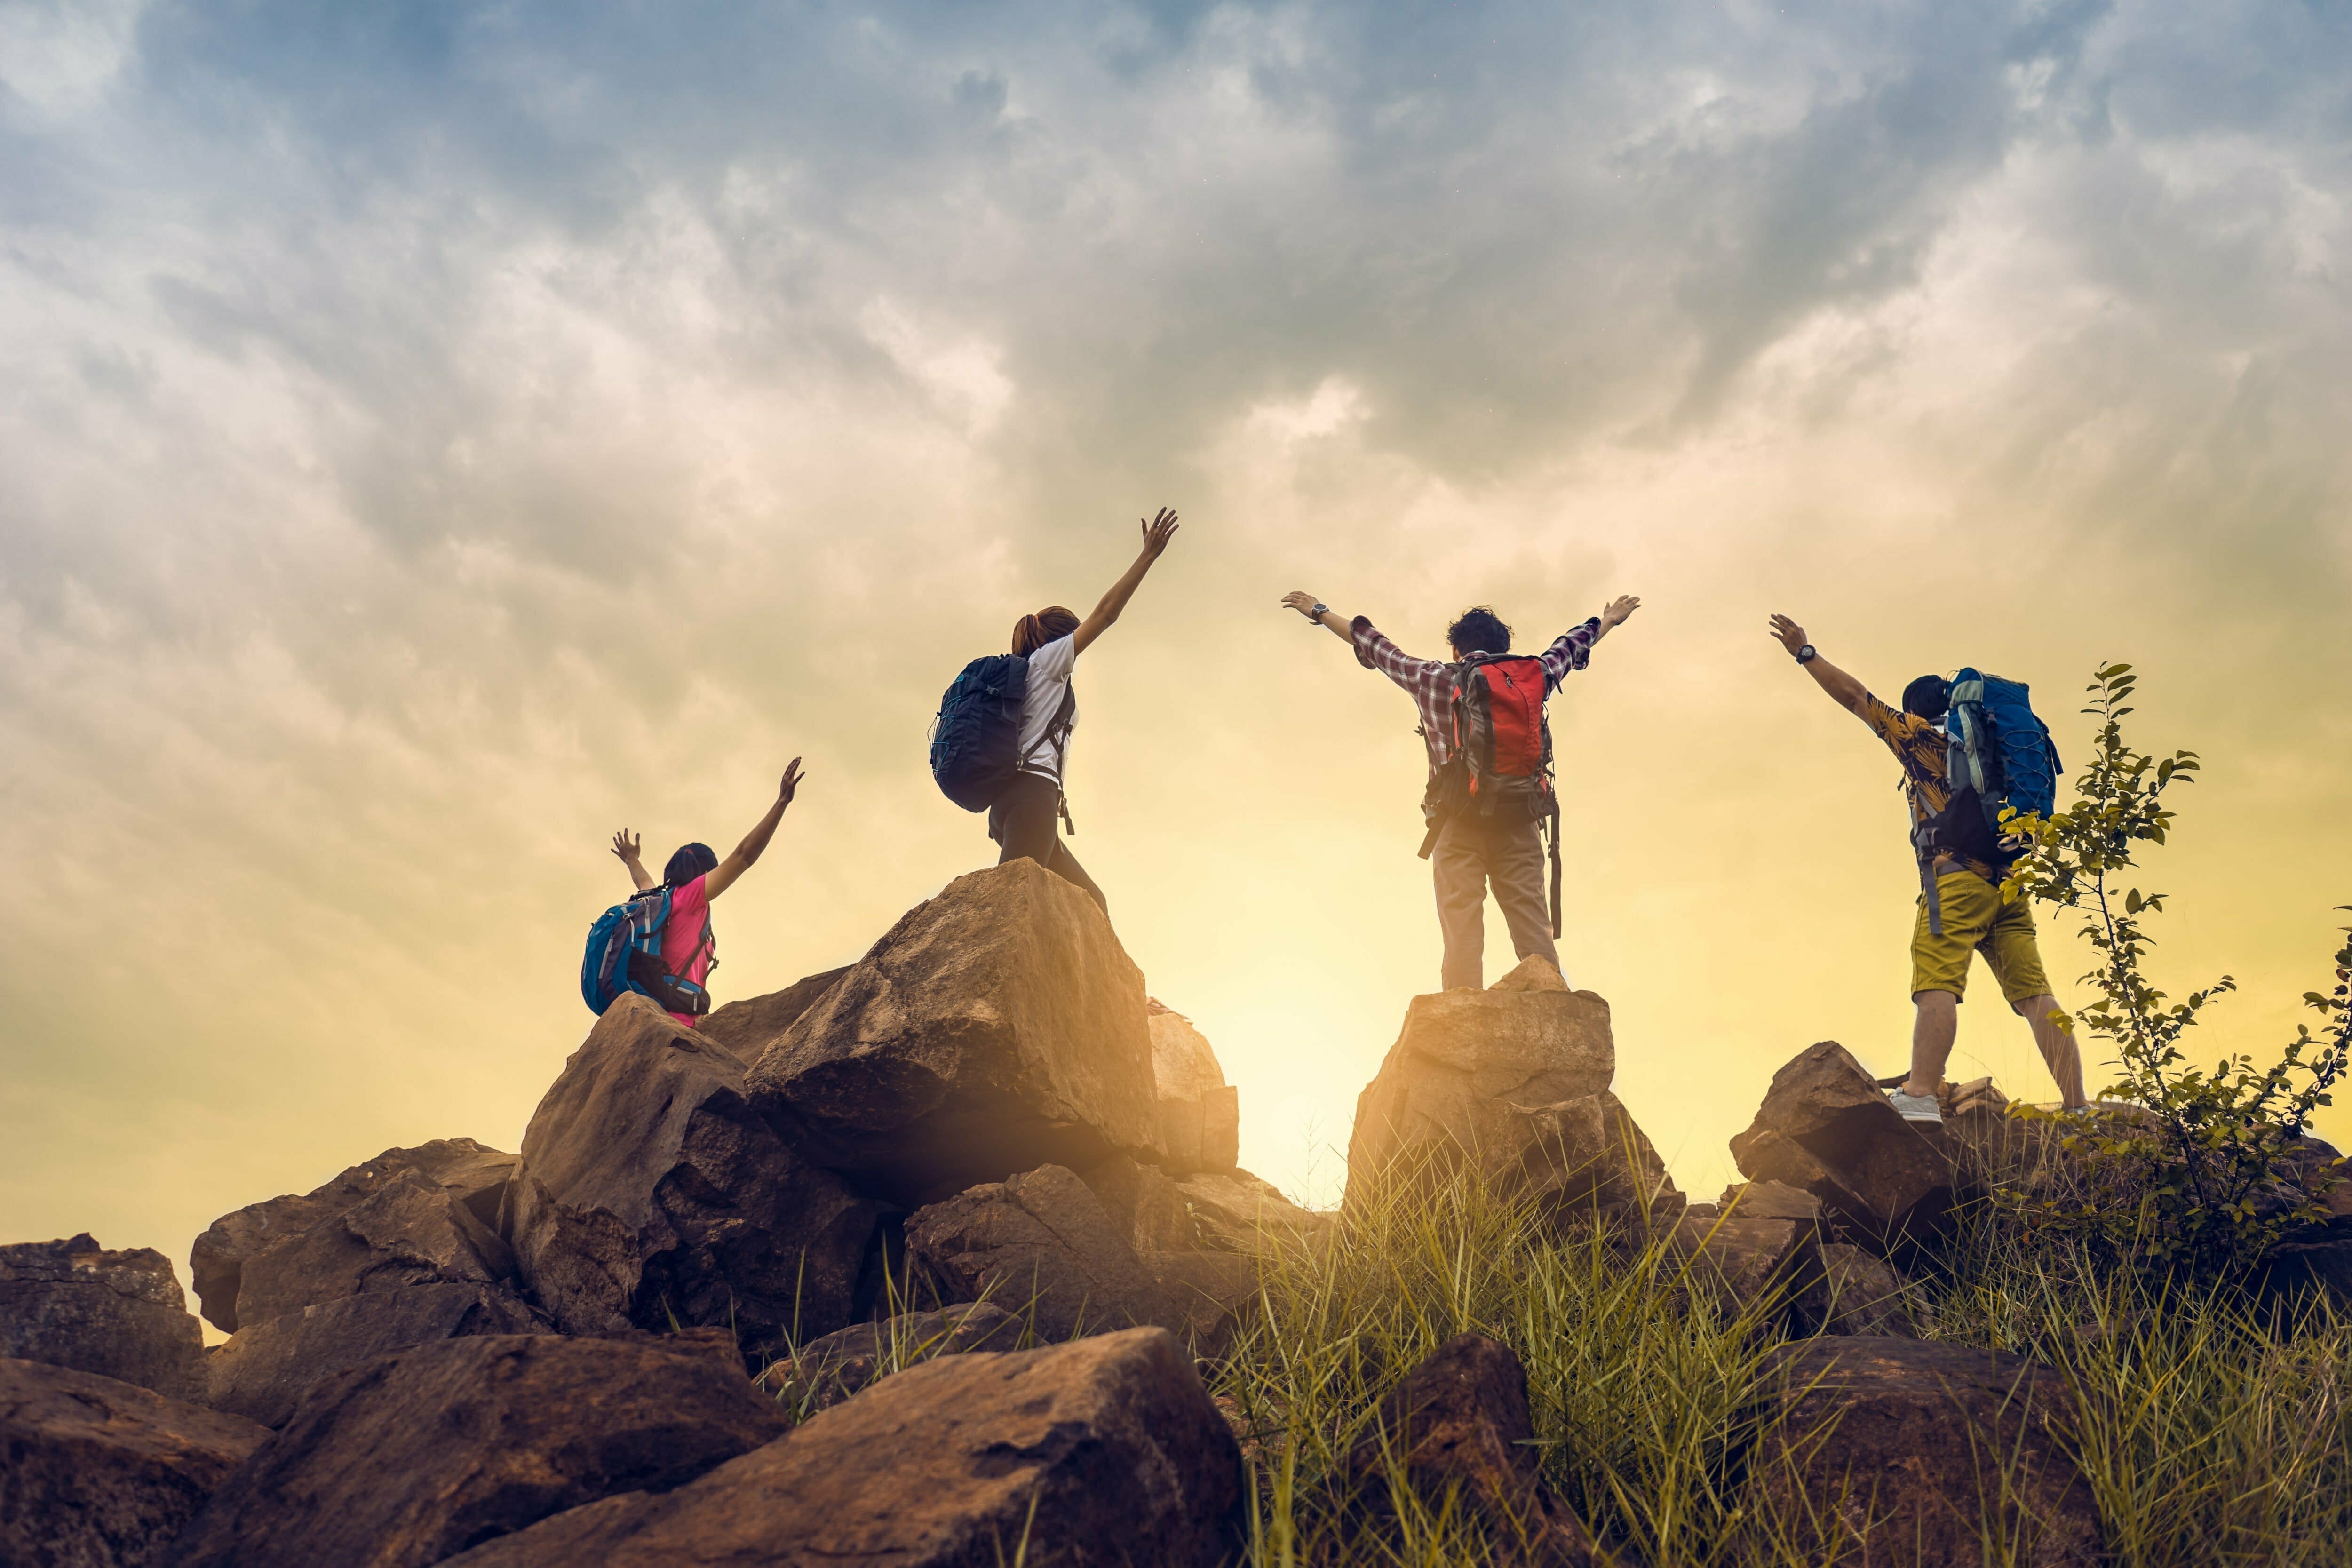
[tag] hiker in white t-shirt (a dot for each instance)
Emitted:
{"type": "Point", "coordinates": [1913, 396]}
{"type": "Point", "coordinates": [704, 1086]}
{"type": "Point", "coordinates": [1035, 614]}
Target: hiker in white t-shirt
{"type": "Point", "coordinates": [1023, 820]}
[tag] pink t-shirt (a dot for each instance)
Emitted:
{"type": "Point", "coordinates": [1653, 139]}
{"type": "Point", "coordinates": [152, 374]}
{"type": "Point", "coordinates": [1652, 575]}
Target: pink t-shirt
{"type": "Point", "coordinates": [684, 953]}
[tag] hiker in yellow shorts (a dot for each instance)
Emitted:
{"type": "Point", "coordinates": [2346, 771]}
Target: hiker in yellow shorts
{"type": "Point", "coordinates": [1974, 916]}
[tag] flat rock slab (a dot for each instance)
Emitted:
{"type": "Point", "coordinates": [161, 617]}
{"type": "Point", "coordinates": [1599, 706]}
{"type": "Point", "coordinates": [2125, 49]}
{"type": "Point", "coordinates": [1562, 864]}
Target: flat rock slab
{"type": "Point", "coordinates": [437, 1449]}
{"type": "Point", "coordinates": [1825, 1126]}
{"type": "Point", "coordinates": [652, 1192]}
{"type": "Point", "coordinates": [118, 1314]}
{"type": "Point", "coordinates": [996, 1028]}
{"type": "Point", "coordinates": [824, 1371]}
{"type": "Point", "coordinates": [1234, 1211]}
{"type": "Point", "coordinates": [1106, 1450]}
{"type": "Point", "coordinates": [97, 1473]}
{"type": "Point", "coordinates": [265, 1367]}
{"type": "Point", "coordinates": [1902, 1450]}
{"type": "Point", "coordinates": [1466, 1063]}
{"type": "Point", "coordinates": [470, 1173]}
{"type": "Point", "coordinates": [1042, 1246]}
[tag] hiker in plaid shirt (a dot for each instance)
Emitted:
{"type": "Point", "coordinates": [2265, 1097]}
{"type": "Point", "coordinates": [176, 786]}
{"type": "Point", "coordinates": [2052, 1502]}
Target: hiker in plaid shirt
{"type": "Point", "coordinates": [1467, 853]}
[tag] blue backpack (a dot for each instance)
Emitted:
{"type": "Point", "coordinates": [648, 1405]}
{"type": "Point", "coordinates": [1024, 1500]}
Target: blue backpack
{"type": "Point", "coordinates": [2002, 751]}
{"type": "Point", "coordinates": [625, 955]}
{"type": "Point", "coordinates": [976, 739]}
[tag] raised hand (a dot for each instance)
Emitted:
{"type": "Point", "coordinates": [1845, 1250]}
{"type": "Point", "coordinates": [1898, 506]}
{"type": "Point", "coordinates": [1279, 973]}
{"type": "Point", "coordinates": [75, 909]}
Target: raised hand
{"type": "Point", "coordinates": [1158, 533]}
{"type": "Point", "coordinates": [791, 782]}
{"type": "Point", "coordinates": [1620, 610]}
{"type": "Point", "coordinates": [626, 847]}
{"type": "Point", "coordinates": [1301, 601]}
{"type": "Point", "coordinates": [1792, 635]}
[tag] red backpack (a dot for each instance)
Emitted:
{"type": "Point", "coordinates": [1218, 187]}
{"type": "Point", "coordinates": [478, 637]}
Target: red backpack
{"type": "Point", "coordinates": [1500, 746]}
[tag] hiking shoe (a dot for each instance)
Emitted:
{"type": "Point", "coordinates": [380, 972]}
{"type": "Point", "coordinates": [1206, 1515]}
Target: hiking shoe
{"type": "Point", "coordinates": [1915, 1106]}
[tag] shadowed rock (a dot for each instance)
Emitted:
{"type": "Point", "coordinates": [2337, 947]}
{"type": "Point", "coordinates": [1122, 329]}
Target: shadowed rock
{"type": "Point", "coordinates": [1146, 1204]}
{"type": "Point", "coordinates": [824, 1371]}
{"type": "Point", "coordinates": [409, 1231]}
{"type": "Point", "coordinates": [1199, 1113]}
{"type": "Point", "coordinates": [1759, 1264]}
{"type": "Point", "coordinates": [1467, 1066]}
{"type": "Point", "coordinates": [475, 1175]}
{"type": "Point", "coordinates": [995, 1029]}
{"type": "Point", "coordinates": [1040, 1246]}
{"type": "Point", "coordinates": [1458, 1426]}
{"type": "Point", "coordinates": [419, 1457]}
{"type": "Point", "coordinates": [1212, 1291]}
{"type": "Point", "coordinates": [651, 1193]}
{"type": "Point", "coordinates": [1825, 1126]}
{"type": "Point", "coordinates": [1107, 1450]}
{"type": "Point", "coordinates": [1857, 1296]}
{"type": "Point", "coordinates": [119, 1314]}
{"type": "Point", "coordinates": [1584, 1162]}
{"type": "Point", "coordinates": [1770, 1200]}
{"type": "Point", "coordinates": [1894, 1450]}
{"type": "Point", "coordinates": [1234, 1211]}
{"type": "Point", "coordinates": [265, 1367]}
{"type": "Point", "coordinates": [96, 1473]}
{"type": "Point", "coordinates": [746, 1029]}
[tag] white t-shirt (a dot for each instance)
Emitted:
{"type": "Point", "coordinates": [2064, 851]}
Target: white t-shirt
{"type": "Point", "coordinates": [1049, 677]}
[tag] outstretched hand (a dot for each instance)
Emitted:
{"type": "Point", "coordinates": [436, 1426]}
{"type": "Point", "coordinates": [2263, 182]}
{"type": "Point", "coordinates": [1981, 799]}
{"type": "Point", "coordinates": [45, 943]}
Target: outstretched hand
{"type": "Point", "coordinates": [1158, 533]}
{"type": "Point", "coordinates": [791, 782]}
{"type": "Point", "coordinates": [1620, 610]}
{"type": "Point", "coordinates": [1301, 601]}
{"type": "Point", "coordinates": [1792, 635]}
{"type": "Point", "coordinates": [626, 847]}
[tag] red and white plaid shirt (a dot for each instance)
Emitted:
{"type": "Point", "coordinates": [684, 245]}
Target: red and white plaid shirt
{"type": "Point", "coordinates": [1430, 681]}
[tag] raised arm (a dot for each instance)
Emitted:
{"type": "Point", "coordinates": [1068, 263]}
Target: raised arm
{"type": "Point", "coordinates": [1156, 535]}
{"type": "Point", "coordinates": [1616, 613]}
{"type": "Point", "coordinates": [755, 842]}
{"type": "Point", "coordinates": [1844, 690]}
{"type": "Point", "coordinates": [626, 847]}
{"type": "Point", "coordinates": [1330, 620]}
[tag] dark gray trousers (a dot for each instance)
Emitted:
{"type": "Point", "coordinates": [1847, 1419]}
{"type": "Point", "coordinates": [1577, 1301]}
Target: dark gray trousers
{"type": "Point", "coordinates": [1470, 854]}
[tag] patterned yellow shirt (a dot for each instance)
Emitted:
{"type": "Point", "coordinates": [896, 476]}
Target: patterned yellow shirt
{"type": "Point", "coordinates": [1919, 745]}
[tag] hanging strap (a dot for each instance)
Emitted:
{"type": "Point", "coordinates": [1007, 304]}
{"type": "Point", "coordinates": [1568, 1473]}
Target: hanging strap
{"type": "Point", "coordinates": [1921, 846]}
{"type": "Point", "coordinates": [1555, 867]}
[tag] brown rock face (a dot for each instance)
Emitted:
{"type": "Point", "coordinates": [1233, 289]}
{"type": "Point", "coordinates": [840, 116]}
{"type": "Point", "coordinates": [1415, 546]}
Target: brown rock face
{"type": "Point", "coordinates": [409, 1231]}
{"type": "Point", "coordinates": [1458, 1424]}
{"type": "Point", "coordinates": [1585, 1161]}
{"type": "Point", "coordinates": [1199, 1113]}
{"type": "Point", "coordinates": [1767, 1265]}
{"type": "Point", "coordinates": [746, 1029]}
{"type": "Point", "coordinates": [650, 1191]}
{"type": "Point", "coordinates": [1905, 1449]}
{"type": "Point", "coordinates": [1465, 1059]}
{"type": "Point", "coordinates": [469, 1173]}
{"type": "Point", "coordinates": [1145, 1203]}
{"type": "Point", "coordinates": [444, 1447]}
{"type": "Point", "coordinates": [1236, 1212]}
{"type": "Point", "coordinates": [1107, 1450]}
{"type": "Point", "coordinates": [1858, 1296]}
{"type": "Point", "coordinates": [118, 1314]}
{"type": "Point", "coordinates": [995, 1029]}
{"type": "Point", "coordinates": [266, 1366]}
{"type": "Point", "coordinates": [99, 1474]}
{"type": "Point", "coordinates": [1825, 1126]}
{"type": "Point", "coordinates": [1040, 1246]}
{"type": "Point", "coordinates": [824, 1371]}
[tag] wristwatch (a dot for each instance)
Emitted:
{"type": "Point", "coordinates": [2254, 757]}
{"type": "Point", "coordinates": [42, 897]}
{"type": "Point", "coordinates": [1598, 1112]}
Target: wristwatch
{"type": "Point", "coordinates": [1806, 654]}
{"type": "Point", "coordinates": [1319, 611]}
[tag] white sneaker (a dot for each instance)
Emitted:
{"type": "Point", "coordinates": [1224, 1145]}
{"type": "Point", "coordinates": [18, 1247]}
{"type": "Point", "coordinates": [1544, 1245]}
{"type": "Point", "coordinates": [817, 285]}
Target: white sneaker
{"type": "Point", "coordinates": [1915, 1106]}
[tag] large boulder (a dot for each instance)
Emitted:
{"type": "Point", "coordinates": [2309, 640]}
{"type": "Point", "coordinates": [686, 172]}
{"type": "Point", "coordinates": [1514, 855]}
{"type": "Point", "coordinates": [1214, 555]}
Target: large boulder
{"type": "Point", "coordinates": [1107, 1450]}
{"type": "Point", "coordinates": [1234, 1211]}
{"type": "Point", "coordinates": [824, 1371]}
{"type": "Point", "coordinates": [266, 1366]}
{"type": "Point", "coordinates": [437, 1449]}
{"type": "Point", "coordinates": [118, 1314]}
{"type": "Point", "coordinates": [1826, 1126]}
{"type": "Point", "coordinates": [1042, 1246]}
{"type": "Point", "coordinates": [409, 1231]}
{"type": "Point", "coordinates": [97, 1473]}
{"type": "Point", "coordinates": [1452, 1088]}
{"type": "Point", "coordinates": [748, 1027]}
{"type": "Point", "coordinates": [475, 1175]}
{"type": "Point", "coordinates": [1200, 1112]}
{"type": "Point", "coordinates": [1921, 1452]}
{"type": "Point", "coordinates": [1585, 1161]}
{"type": "Point", "coordinates": [651, 1193]}
{"type": "Point", "coordinates": [1457, 1430]}
{"type": "Point", "coordinates": [996, 1028]}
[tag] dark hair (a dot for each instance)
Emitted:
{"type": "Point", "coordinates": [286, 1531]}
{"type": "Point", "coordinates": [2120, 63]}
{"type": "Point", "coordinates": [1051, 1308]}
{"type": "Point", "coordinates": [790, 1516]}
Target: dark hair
{"type": "Point", "coordinates": [1929, 697]}
{"type": "Point", "coordinates": [1051, 624]}
{"type": "Point", "coordinates": [691, 860]}
{"type": "Point", "coordinates": [1480, 630]}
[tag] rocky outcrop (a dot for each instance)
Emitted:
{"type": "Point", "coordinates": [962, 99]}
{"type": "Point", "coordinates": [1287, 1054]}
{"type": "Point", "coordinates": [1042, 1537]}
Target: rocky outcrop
{"type": "Point", "coordinates": [1043, 1248]}
{"type": "Point", "coordinates": [1585, 1161]}
{"type": "Point", "coordinates": [651, 1193]}
{"type": "Point", "coordinates": [474, 1175]}
{"type": "Point", "coordinates": [1857, 1296]}
{"type": "Point", "coordinates": [824, 1371]}
{"type": "Point", "coordinates": [1915, 1451]}
{"type": "Point", "coordinates": [1468, 1065]}
{"type": "Point", "coordinates": [1146, 1204]}
{"type": "Point", "coordinates": [996, 1028]}
{"type": "Point", "coordinates": [409, 1231]}
{"type": "Point", "coordinates": [424, 1455]}
{"type": "Point", "coordinates": [1825, 1126]}
{"type": "Point", "coordinates": [96, 1473]}
{"type": "Point", "coordinates": [1105, 1450]}
{"type": "Point", "coordinates": [265, 1367]}
{"type": "Point", "coordinates": [1236, 1212]}
{"type": "Point", "coordinates": [1199, 1113]}
{"type": "Point", "coordinates": [119, 1314]}
{"type": "Point", "coordinates": [744, 1029]}
{"type": "Point", "coordinates": [1212, 1292]}
{"type": "Point", "coordinates": [1762, 1266]}
{"type": "Point", "coordinates": [1457, 1427]}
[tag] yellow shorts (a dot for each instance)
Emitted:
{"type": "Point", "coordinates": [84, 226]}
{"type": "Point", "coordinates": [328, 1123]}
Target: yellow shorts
{"type": "Point", "coordinates": [1977, 920]}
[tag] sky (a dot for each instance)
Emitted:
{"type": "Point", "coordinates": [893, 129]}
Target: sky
{"type": "Point", "coordinates": [436, 435]}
